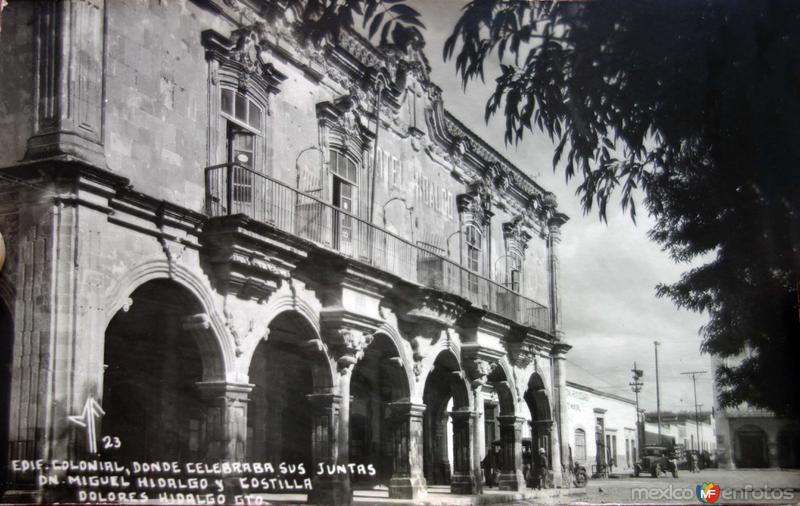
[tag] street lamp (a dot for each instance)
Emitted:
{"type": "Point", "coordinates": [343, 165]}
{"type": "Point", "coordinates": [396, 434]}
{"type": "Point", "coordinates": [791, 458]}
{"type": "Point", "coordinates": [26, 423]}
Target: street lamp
{"type": "Point", "coordinates": [636, 386]}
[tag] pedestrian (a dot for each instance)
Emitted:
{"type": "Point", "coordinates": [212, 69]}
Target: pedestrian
{"type": "Point", "coordinates": [541, 469]}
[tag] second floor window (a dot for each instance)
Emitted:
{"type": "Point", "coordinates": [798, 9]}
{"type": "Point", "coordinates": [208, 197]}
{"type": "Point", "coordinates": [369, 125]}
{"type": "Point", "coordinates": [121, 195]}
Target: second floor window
{"type": "Point", "coordinates": [474, 242]}
{"type": "Point", "coordinates": [243, 119]}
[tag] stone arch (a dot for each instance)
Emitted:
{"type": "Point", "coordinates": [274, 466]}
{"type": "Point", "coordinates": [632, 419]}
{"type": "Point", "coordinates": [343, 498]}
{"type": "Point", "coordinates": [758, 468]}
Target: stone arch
{"type": "Point", "coordinates": [156, 352]}
{"type": "Point", "coordinates": [446, 342]}
{"type": "Point", "coordinates": [502, 378]}
{"type": "Point", "coordinates": [288, 370]}
{"type": "Point", "coordinates": [537, 399]}
{"type": "Point", "coordinates": [324, 370]}
{"type": "Point", "coordinates": [400, 345]}
{"type": "Point", "coordinates": [751, 448]}
{"type": "Point", "coordinates": [209, 330]}
{"type": "Point", "coordinates": [300, 301]}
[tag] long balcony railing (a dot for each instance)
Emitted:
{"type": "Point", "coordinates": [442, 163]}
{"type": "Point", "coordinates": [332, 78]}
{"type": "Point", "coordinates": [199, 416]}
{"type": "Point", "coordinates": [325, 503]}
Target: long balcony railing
{"type": "Point", "coordinates": [235, 189]}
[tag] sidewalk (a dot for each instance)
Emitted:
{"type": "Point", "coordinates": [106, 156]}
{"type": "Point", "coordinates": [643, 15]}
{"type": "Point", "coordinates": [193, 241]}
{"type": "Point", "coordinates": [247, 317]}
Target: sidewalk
{"type": "Point", "coordinates": [439, 495]}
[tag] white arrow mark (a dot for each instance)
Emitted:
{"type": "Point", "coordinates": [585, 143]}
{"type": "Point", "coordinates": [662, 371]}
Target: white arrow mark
{"type": "Point", "coordinates": [87, 419]}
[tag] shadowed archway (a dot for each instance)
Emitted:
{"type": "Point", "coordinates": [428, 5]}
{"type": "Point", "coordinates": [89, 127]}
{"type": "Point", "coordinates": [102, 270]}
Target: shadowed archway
{"type": "Point", "coordinates": [152, 367]}
{"type": "Point", "coordinates": [378, 380]}
{"type": "Point", "coordinates": [286, 369]}
{"type": "Point", "coordinates": [445, 390]}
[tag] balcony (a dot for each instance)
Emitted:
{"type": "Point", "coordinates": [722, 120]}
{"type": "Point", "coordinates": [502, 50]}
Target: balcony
{"type": "Point", "coordinates": [236, 190]}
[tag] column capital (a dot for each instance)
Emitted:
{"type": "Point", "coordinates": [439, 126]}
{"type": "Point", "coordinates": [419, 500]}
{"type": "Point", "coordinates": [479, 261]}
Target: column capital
{"type": "Point", "coordinates": [323, 401]}
{"type": "Point", "coordinates": [212, 389]}
{"type": "Point", "coordinates": [405, 408]}
{"type": "Point", "coordinates": [510, 420]}
{"type": "Point", "coordinates": [559, 350]}
{"type": "Point", "coordinates": [462, 415]}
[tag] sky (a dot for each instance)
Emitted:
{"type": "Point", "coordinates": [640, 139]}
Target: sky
{"type": "Point", "coordinates": [608, 271]}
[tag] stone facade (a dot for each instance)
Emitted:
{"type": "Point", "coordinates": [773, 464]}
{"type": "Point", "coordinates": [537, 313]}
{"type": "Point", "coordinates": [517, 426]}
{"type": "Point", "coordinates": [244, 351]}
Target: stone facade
{"type": "Point", "coordinates": [249, 248]}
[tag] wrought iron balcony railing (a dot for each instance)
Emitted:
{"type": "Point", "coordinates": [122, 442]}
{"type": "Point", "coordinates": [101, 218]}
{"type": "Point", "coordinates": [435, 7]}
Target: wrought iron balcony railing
{"type": "Point", "coordinates": [234, 189]}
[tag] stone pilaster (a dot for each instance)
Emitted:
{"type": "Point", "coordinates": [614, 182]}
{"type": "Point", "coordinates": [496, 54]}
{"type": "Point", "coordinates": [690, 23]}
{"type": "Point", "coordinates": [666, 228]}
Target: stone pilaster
{"type": "Point", "coordinates": [226, 419]}
{"type": "Point", "coordinates": [463, 478]}
{"type": "Point", "coordinates": [325, 450]}
{"type": "Point", "coordinates": [70, 76]}
{"type": "Point", "coordinates": [554, 267]}
{"type": "Point", "coordinates": [511, 477]}
{"type": "Point", "coordinates": [408, 481]}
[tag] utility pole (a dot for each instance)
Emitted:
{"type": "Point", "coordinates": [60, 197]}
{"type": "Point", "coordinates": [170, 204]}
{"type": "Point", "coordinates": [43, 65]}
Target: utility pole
{"type": "Point", "coordinates": [636, 386]}
{"type": "Point", "coordinates": [658, 395]}
{"type": "Point", "coordinates": [696, 412]}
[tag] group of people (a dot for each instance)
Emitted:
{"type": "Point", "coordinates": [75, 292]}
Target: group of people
{"type": "Point", "coordinates": [534, 468]}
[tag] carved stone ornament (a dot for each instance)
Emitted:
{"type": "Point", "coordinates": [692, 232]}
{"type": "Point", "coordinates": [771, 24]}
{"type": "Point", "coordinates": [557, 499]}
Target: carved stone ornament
{"type": "Point", "coordinates": [516, 232]}
{"type": "Point", "coordinates": [432, 308]}
{"type": "Point", "coordinates": [478, 369]}
{"type": "Point", "coordinates": [420, 346]}
{"type": "Point", "coordinates": [477, 202]}
{"type": "Point", "coordinates": [350, 344]}
{"type": "Point", "coordinates": [521, 354]}
{"type": "Point", "coordinates": [498, 176]}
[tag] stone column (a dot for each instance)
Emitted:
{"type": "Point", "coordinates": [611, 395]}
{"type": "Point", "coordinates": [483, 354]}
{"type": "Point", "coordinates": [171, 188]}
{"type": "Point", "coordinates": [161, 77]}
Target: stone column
{"type": "Point", "coordinates": [463, 479]}
{"type": "Point", "coordinates": [559, 362]}
{"type": "Point", "coordinates": [348, 344]}
{"type": "Point", "coordinates": [226, 419]}
{"type": "Point", "coordinates": [408, 481]}
{"type": "Point", "coordinates": [325, 451]}
{"type": "Point", "coordinates": [479, 433]}
{"type": "Point", "coordinates": [511, 477]}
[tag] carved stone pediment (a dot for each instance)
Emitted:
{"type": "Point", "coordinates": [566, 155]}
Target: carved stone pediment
{"type": "Point", "coordinates": [244, 54]}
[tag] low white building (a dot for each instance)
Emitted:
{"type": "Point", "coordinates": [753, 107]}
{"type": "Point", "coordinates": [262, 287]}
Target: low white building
{"type": "Point", "coordinates": [682, 429]}
{"type": "Point", "coordinates": [602, 429]}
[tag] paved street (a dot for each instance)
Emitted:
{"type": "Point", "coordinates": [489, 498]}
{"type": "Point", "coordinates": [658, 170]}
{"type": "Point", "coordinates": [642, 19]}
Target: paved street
{"type": "Point", "coordinates": [735, 487]}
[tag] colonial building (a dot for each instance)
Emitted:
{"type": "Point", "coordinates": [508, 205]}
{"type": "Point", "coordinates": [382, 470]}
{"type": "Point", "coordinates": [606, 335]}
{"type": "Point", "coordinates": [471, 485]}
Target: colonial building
{"type": "Point", "coordinates": [683, 428]}
{"type": "Point", "coordinates": [245, 248]}
{"type": "Point", "coordinates": [748, 437]}
{"type": "Point", "coordinates": [602, 429]}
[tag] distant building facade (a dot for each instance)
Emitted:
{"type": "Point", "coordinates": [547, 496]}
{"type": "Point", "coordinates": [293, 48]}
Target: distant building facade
{"type": "Point", "coordinates": [683, 429]}
{"type": "Point", "coordinates": [755, 438]}
{"type": "Point", "coordinates": [208, 234]}
{"type": "Point", "coordinates": [602, 429]}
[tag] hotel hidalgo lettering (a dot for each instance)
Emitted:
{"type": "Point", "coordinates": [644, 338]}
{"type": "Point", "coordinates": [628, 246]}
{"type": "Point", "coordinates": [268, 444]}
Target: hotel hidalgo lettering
{"type": "Point", "coordinates": [200, 248]}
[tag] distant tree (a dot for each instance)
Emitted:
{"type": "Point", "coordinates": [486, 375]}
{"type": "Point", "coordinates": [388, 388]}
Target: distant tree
{"type": "Point", "coordinates": [693, 105]}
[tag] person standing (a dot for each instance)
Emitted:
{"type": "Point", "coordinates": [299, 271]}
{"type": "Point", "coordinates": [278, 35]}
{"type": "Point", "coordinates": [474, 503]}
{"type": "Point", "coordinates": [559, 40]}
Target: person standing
{"type": "Point", "coordinates": [541, 469]}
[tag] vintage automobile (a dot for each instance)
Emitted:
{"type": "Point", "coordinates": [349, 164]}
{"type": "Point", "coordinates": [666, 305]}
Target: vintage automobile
{"type": "Point", "coordinates": [656, 460]}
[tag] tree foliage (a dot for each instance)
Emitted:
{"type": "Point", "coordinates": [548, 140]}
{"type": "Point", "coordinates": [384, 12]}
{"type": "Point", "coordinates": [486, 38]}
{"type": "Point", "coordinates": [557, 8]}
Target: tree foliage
{"type": "Point", "coordinates": [392, 21]}
{"type": "Point", "coordinates": [694, 106]}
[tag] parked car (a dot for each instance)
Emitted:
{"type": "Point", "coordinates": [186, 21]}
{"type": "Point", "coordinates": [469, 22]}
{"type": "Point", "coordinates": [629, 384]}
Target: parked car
{"type": "Point", "coordinates": [656, 460]}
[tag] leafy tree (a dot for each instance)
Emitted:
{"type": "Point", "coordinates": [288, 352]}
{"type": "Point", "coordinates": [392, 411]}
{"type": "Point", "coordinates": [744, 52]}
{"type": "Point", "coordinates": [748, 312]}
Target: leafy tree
{"type": "Point", "coordinates": [693, 105]}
